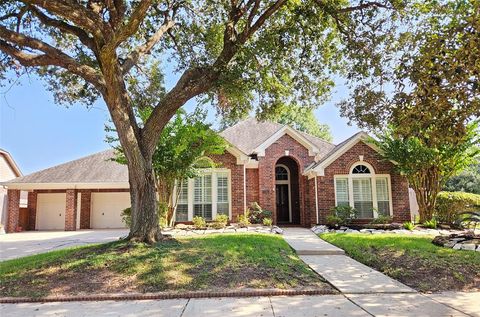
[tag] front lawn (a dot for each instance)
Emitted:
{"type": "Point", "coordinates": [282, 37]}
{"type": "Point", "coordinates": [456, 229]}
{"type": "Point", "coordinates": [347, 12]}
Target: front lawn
{"type": "Point", "coordinates": [214, 262]}
{"type": "Point", "coordinates": [413, 260]}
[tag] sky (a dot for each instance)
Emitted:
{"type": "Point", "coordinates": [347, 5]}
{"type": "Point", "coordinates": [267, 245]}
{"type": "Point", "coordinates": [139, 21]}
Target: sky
{"type": "Point", "coordinates": [39, 133]}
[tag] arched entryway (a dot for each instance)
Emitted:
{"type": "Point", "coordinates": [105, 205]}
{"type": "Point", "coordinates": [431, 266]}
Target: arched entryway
{"type": "Point", "coordinates": [287, 194]}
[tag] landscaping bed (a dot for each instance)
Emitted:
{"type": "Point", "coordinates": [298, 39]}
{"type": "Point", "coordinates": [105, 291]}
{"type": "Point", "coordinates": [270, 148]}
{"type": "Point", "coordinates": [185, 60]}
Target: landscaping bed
{"type": "Point", "coordinates": [413, 260]}
{"type": "Point", "coordinates": [203, 263]}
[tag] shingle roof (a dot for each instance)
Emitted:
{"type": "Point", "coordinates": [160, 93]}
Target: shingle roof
{"type": "Point", "coordinates": [248, 134]}
{"type": "Point", "coordinates": [95, 168]}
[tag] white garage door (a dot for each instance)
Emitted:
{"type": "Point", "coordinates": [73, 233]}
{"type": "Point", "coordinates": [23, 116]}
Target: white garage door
{"type": "Point", "coordinates": [51, 212]}
{"type": "Point", "coordinates": [106, 209]}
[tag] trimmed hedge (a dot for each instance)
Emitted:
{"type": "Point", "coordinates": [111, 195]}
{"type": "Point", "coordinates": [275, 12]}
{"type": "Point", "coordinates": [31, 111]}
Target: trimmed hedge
{"type": "Point", "coordinates": [450, 204]}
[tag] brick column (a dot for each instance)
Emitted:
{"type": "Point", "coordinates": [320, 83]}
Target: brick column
{"type": "Point", "coordinates": [32, 210]}
{"type": "Point", "coordinates": [71, 210]}
{"type": "Point", "coordinates": [85, 205]}
{"type": "Point", "coordinates": [13, 200]}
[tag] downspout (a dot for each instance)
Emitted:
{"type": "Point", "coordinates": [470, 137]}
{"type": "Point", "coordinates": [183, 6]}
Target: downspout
{"type": "Point", "coordinates": [316, 197]}
{"type": "Point", "coordinates": [244, 188]}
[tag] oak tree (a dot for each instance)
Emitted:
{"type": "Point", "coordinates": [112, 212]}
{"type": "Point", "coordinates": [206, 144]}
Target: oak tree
{"type": "Point", "coordinates": [233, 54]}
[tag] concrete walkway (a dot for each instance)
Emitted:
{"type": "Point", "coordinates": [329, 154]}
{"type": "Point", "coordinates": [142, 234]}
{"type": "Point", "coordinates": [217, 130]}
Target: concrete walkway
{"type": "Point", "coordinates": [305, 242]}
{"type": "Point", "coordinates": [393, 305]}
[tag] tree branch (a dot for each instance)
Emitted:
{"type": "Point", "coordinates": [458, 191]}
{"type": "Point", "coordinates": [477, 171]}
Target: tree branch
{"type": "Point", "coordinates": [133, 58]}
{"type": "Point", "coordinates": [65, 27]}
{"type": "Point", "coordinates": [73, 11]}
{"type": "Point", "coordinates": [52, 56]}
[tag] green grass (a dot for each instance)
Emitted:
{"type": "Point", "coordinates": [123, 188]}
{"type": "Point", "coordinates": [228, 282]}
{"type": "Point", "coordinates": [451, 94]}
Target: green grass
{"type": "Point", "coordinates": [212, 262]}
{"type": "Point", "coordinates": [413, 260]}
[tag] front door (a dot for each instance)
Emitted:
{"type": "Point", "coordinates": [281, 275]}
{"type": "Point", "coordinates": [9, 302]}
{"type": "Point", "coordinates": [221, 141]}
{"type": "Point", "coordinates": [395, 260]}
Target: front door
{"type": "Point", "coordinates": [283, 203]}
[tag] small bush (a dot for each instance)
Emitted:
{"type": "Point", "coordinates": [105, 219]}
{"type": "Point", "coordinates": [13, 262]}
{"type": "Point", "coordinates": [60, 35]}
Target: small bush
{"type": "Point", "coordinates": [127, 216]}
{"type": "Point", "coordinates": [381, 219]}
{"type": "Point", "coordinates": [408, 225]}
{"type": "Point", "coordinates": [199, 222]}
{"type": "Point", "coordinates": [342, 215]}
{"type": "Point", "coordinates": [267, 222]}
{"type": "Point", "coordinates": [219, 222]}
{"type": "Point", "coordinates": [257, 214]}
{"type": "Point", "coordinates": [244, 220]}
{"type": "Point", "coordinates": [431, 224]}
{"type": "Point", "coordinates": [450, 204]}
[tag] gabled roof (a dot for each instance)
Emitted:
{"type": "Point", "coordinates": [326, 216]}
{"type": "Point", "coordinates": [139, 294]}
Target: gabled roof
{"type": "Point", "coordinates": [93, 169]}
{"type": "Point", "coordinates": [337, 151]}
{"type": "Point", "coordinates": [253, 137]}
{"type": "Point", "coordinates": [11, 162]}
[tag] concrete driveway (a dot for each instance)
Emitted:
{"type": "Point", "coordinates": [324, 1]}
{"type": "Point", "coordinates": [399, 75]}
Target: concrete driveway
{"type": "Point", "coordinates": [15, 245]}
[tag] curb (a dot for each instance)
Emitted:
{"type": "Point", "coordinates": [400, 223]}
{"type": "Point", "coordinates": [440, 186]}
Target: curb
{"type": "Point", "coordinates": [165, 295]}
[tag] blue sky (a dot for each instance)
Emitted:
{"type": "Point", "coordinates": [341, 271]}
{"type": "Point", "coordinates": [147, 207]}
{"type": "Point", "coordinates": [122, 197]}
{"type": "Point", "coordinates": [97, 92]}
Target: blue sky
{"type": "Point", "coordinates": [40, 134]}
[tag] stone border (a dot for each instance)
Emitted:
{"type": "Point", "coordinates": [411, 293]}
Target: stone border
{"type": "Point", "coordinates": [167, 295]}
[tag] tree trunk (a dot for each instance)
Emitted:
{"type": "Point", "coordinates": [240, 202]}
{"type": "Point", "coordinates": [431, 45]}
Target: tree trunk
{"type": "Point", "coordinates": [145, 222]}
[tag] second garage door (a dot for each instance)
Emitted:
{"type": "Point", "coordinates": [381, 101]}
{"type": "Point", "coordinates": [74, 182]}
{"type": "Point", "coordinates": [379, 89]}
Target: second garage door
{"type": "Point", "coordinates": [107, 209]}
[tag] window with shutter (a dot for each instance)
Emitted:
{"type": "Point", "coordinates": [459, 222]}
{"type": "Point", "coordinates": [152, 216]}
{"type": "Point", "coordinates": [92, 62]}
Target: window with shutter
{"type": "Point", "coordinates": [202, 198]}
{"type": "Point", "coordinates": [341, 185]}
{"type": "Point", "coordinates": [383, 200]}
{"type": "Point", "coordinates": [222, 194]}
{"type": "Point", "coordinates": [182, 206]}
{"type": "Point", "coordinates": [362, 197]}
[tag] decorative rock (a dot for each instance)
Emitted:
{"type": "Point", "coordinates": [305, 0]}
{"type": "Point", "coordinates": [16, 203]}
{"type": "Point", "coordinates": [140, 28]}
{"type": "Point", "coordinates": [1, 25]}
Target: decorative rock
{"type": "Point", "coordinates": [277, 230]}
{"type": "Point", "coordinates": [468, 246]}
{"type": "Point", "coordinates": [352, 231]}
{"type": "Point", "coordinates": [457, 246]}
{"type": "Point", "coordinates": [478, 248]}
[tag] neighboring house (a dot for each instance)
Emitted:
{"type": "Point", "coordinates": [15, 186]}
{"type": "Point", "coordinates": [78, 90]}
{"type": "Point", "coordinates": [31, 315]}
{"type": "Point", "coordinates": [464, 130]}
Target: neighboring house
{"type": "Point", "coordinates": [8, 170]}
{"type": "Point", "coordinates": [298, 177]}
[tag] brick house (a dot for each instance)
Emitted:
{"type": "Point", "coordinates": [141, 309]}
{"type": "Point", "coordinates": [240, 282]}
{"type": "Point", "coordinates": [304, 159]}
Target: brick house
{"type": "Point", "coordinates": [298, 177]}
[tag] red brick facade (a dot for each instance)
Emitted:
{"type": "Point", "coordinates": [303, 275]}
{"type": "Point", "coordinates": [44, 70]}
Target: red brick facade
{"type": "Point", "coordinates": [342, 166]}
{"type": "Point", "coordinates": [32, 210]}
{"type": "Point", "coordinates": [13, 200]}
{"type": "Point", "coordinates": [71, 210]}
{"type": "Point", "coordinates": [252, 186]}
{"type": "Point", "coordinates": [85, 206]}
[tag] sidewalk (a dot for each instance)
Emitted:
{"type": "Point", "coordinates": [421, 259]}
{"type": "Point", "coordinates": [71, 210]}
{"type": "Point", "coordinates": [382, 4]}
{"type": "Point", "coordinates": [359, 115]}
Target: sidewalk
{"type": "Point", "coordinates": [371, 290]}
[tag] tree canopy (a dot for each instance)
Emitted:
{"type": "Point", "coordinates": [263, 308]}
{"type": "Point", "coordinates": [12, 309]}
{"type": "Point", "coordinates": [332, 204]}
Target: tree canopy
{"type": "Point", "coordinates": [238, 54]}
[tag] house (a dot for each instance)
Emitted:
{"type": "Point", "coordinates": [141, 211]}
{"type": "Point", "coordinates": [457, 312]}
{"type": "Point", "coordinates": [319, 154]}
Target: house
{"type": "Point", "coordinates": [298, 177]}
{"type": "Point", "coordinates": [8, 170]}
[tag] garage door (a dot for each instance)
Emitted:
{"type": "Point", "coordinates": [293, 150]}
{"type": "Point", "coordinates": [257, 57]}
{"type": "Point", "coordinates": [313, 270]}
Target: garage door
{"type": "Point", "coordinates": [51, 212]}
{"type": "Point", "coordinates": [107, 208]}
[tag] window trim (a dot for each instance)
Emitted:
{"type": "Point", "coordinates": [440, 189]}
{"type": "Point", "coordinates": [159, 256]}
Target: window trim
{"type": "Point", "coordinates": [373, 182]}
{"type": "Point", "coordinates": [191, 188]}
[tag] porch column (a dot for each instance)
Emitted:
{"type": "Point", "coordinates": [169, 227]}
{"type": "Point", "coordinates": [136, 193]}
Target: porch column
{"type": "Point", "coordinates": [32, 210]}
{"type": "Point", "coordinates": [13, 200]}
{"type": "Point", "coordinates": [71, 210]}
{"type": "Point", "coordinates": [85, 205]}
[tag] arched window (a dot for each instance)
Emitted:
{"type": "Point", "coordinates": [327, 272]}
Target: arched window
{"type": "Point", "coordinates": [281, 173]}
{"type": "Point", "coordinates": [360, 169]}
{"type": "Point", "coordinates": [362, 189]}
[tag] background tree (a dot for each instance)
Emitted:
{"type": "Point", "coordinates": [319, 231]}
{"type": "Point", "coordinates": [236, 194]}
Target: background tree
{"type": "Point", "coordinates": [467, 180]}
{"type": "Point", "coordinates": [429, 166]}
{"type": "Point", "coordinates": [235, 54]}
{"type": "Point", "coordinates": [182, 151]}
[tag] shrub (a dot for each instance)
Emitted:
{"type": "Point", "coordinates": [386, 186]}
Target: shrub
{"type": "Point", "coordinates": [267, 222]}
{"type": "Point", "coordinates": [127, 216]}
{"type": "Point", "coordinates": [450, 204]}
{"type": "Point", "coordinates": [199, 222]}
{"type": "Point", "coordinates": [468, 219]}
{"type": "Point", "coordinates": [382, 219]}
{"type": "Point", "coordinates": [244, 220]}
{"type": "Point", "coordinates": [219, 222]}
{"type": "Point", "coordinates": [341, 215]}
{"type": "Point", "coordinates": [257, 214]}
{"type": "Point", "coordinates": [162, 216]}
{"type": "Point", "coordinates": [431, 224]}
{"type": "Point", "coordinates": [408, 225]}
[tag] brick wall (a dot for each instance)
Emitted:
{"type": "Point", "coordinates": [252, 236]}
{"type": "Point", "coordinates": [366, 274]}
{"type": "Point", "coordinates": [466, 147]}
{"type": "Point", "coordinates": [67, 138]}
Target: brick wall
{"type": "Point", "coordinates": [273, 153]}
{"type": "Point", "coordinates": [85, 208]}
{"type": "Point", "coordinates": [13, 201]}
{"type": "Point", "coordinates": [252, 186]}
{"type": "Point", "coordinates": [32, 210]}
{"type": "Point", "coordinates": [326, 194]}
{"type": "Point", "coordinates": [229, 161]}
{"type": "Point", "coordinates": [71, 210]}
